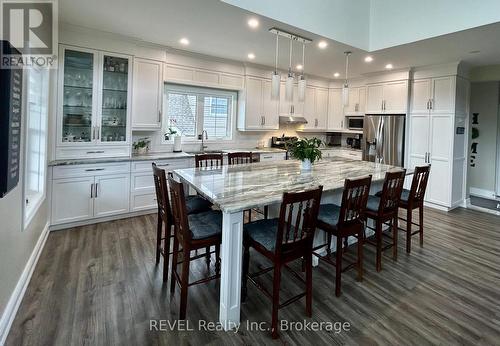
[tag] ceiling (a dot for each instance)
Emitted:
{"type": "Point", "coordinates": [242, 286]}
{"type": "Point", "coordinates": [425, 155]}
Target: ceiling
{"type": "Point", "coordinates": [218, 29]}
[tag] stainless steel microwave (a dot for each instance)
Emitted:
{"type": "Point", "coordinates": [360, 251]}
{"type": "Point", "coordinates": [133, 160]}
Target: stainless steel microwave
{"type": "Point", "coordinates": [355, 123]}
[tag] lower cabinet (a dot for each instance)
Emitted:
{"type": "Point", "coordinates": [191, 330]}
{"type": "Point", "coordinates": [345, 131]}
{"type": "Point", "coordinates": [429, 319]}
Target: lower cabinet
{"type": "Point", "coordinates": [272, 157]}
{"type": "Point", "coordinates": [89, 191]}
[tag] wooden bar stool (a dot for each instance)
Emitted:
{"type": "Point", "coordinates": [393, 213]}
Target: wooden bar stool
{"type": "Point", "coordinates": [384, 211]}
{"type": "Point", "coordinates": [191, 232]}
{"type": "Point", "coordinates": [283, 240]}
{"type": "Point", "coordinates": [239, 158]}
{"type": "Point", "coordinates": [343, 222]}
{"type": "Point", "coordinates": [209, 160]}
{"type": "Point", "coordinates": [414, 199]}
{"type": "Point", "coordinates": [194, 204]}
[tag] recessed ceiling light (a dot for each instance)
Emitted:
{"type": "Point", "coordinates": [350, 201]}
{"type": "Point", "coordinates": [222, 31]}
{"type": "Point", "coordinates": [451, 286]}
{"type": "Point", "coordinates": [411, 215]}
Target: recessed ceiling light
{"type": "Point", "coordinates": [251, 56]}
{"type": "Point", "coordinates": [389, 66]}
{"type": "Point", "coordinates": [253, 23]}
{"type": "Point", "coordinates": [184, 41]}
{"type": "Point", "coordinates": [368, 59]}
{"type": "Point", "coordinates": [322, 44]}
{"type": "Point", "coordinates": [336, 75]}
{"type": "Point", "coordinates": [299, 67]}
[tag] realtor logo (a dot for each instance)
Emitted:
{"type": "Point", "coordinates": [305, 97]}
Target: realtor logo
{"type": "Point", "coordinates": [31, 28]}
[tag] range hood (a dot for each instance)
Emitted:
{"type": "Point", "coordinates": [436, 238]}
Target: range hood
{"type": "Point", "coordinates": [292, 119]}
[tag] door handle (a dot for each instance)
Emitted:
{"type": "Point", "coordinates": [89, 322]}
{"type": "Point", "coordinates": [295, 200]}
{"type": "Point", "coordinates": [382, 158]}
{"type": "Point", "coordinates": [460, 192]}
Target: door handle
{"type": "Point", "coordinates": [92, 190]}
{"type": "Point", "coordinates": [96, 189]}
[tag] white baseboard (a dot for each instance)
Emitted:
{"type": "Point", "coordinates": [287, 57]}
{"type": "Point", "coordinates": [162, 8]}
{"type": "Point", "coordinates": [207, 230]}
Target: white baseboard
{"type": "Point", "coordinates": [17, 296]}
{"type": "Point", "coordinates": [482, 193]}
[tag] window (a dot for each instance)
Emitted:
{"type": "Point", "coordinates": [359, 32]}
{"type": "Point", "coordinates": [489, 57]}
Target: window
{"type": "Point", "coordinates": [36, 141]}
{"type": "Point", "coordinates": [190, 110]}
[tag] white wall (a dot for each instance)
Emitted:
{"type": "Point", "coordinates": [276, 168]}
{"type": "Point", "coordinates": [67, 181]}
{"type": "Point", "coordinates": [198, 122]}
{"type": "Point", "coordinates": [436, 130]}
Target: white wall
{"type": "Point", "coordinates": [396, 22]}
{"type": "Point", "coordinates": [485, 101]}
{"type": "Point", "coordinates": [341, 20]}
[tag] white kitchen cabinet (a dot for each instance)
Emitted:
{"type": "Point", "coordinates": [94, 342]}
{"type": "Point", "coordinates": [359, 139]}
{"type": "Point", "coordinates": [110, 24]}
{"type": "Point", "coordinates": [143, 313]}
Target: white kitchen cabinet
{"type": "Point", "coordinates": [72, 199]}
{"type": "Point", "coordinates": [357, 101]}
{"type": "Point", "coordinates": [93, 103]}
{"type": "Point", "coordinates": [147, 94]}
{"type": "Point", "coordinates": [293, 107]}
{"type": "Point", "coordinates": [264, 157]}
{"type": "Point", "coordinates": [315, 109]}
{"type": "Point", "coordinates": [335, 110]}
{"type": "Point", "coordinates": [111, 194]}
{"type": "Point", "coordinates": [260, 112]}
{"type": "Point", "coordinates": [387, 98]}
{"type": "Point", "coordinates": [432, 136]}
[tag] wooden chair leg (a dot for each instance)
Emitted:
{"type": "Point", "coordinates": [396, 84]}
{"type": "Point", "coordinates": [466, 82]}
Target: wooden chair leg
{"type": "Point", "coordinates": [276, 299]}
{"type": "Point", "coordinates": [159, 227]}
{"type": "Point", "coordinates": [308, 263]}
{"type": "Point", "coordinates": [338, 266]}
{"type": "Point", "coordinates": [409, 215]}
{"type": "Point", "coordinates": [217, 259]}
{"type": "Point", "coordinates": [378, 237]}
{"type": "Point", "coordinates": [184, 285]}
{"type": "Point", "coordinates": [421, 226]}
{"type": "Point", "coordinates": [329, 244]}
{"type": "Point", "coordinates": [166, 249]}
{"type": "Point", "coordinates": [244, 276]}
{"type": "Point", "coordinates": [346, 244]}
{"type": "Point", "coordinates": [175, 256]}
{"type": "Point", "coordinates": [360, 256]}
{"type": "Point", "coordinates": [266, 211]}
{"type": "Point", "coordinates": [395, 238]}
{"type": "Point", "coordinates": [207, 257]}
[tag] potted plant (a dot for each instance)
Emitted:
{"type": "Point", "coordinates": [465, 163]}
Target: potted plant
{"type": "Point", "coordinates": [141, 146]}
{"type": "Point", "coordinates": [305, 150]}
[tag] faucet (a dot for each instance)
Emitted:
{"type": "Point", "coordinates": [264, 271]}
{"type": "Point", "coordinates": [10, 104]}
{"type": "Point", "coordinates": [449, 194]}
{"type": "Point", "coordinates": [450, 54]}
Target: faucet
{"type": "Point", "coordinates": [200, 136]}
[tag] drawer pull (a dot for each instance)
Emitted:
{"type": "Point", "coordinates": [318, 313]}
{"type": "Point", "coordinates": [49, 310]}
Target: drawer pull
{"type": "Point", "coordinates": [267, 157]}
{"type": "Point", "coordinates": [96, 152]}
{"type": "Point", "coordinates": [94, 169]}
{"type": "Point", "coordinates": [163, 165]}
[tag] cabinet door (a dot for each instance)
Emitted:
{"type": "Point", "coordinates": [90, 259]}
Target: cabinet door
{"type": "Point", "coordinates": [420, 96]}
{"type": "Point", "coordinates": [335, 110]}
{"type": "Point", "coordinates": [374, 98]}
{"type": "Point", "coordinates": [147, 94]}
{"type": "Point", "coordinates": [112, 195]}
{"type": "Point", "coordinates": [284, 105]}
{"type": "Point", "coordinates": [77, 97]}
{"type": "Point", "coordinates": [352, 107]}
{"type": "Point", "coordinates": [298, 107]}
{"type": "Point", "coordinates": [440, 151]}
{"type": "Point", "coordinates": [72, 199]}
{"type": "Point", "coordinates": [322, 108]}
{"type": "Point", "coordinates": [362, 101]}
{"type": "Point", "coordinates": [254, 117]}
{"type": "Point", "coordinates": [443, 95]}
{"type": "Point", "coordinates": [269, 107]}
{"type": "Point", "coordinates": [310, 109]}
{"type": "Point", "coordinates": [114, 100]}
{"type": "Point", "coordinates": [395, 98]}
{"type": "Point", "coordinates": [419, 139]}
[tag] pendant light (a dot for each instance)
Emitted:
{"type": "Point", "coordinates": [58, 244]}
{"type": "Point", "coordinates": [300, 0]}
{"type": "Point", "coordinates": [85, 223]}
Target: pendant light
{"type": "Point", "coordinates": [289, 78]}
{"type": "Point", "coordinates": [345, 88]}
{"type": "Point", "coordinates": [276, 78]}
{"type": "Point", "coordinates": [302, 79]}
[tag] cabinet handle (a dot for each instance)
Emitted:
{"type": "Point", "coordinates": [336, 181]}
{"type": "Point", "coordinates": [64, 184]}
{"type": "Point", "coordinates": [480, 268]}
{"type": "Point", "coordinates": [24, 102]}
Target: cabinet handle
{"type": "Point", "coordinates": [163, 165]}
{"type": "Point", "coordinates": [356, 107]}
{"type": "Point", "coordinates": [94, 169]}
{"type": "Point", "coordinates": [316, 122]}
{"type": "Point", "coordinates": [92, 190]}
{"type": "Point", "coordinates": [342, 124]}
{"type": "Point", "coordinates": [264, 117]}
{"type": "Point", "coordinates": [96, 189]}
{"type": "Point", "coordinates": [159, 116]}
{"type": "Point", "coordinates": [95, 152]}
{"type": "Point", "coordinates": [267, 157]}
{"type": "Point", "coordinates": [431, 103]}
{"type": "Point", "coordinates": [98, 135]}
{"type": "Point", "coordinates": [292, 109]}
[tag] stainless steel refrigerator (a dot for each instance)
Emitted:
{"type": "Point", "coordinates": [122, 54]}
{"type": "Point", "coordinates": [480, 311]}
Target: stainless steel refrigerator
{"type": "Point", "coordinates": [384, 138]}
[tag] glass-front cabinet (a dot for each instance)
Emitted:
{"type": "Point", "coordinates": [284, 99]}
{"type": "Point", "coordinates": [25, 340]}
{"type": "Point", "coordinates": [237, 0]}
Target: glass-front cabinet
{"type": "Point", "coordinates": [94, 98]}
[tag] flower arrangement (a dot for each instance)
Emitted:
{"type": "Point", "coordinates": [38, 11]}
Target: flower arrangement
{"type": "Point", "coordinates": [305, 150]}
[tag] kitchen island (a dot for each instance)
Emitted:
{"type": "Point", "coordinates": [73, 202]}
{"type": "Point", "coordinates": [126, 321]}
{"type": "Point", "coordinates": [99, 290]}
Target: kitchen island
{"type": "Point", "coordinates": [241, 187]}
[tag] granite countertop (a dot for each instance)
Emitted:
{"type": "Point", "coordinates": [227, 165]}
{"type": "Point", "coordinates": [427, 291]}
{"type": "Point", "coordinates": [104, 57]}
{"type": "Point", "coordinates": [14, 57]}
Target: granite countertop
{"type": "Point", "coordinates": [240, 187]}
{"type": "Point", "coordinates": [154, 156]}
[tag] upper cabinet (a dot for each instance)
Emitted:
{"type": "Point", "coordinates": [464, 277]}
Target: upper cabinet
{"type": "Point", "coordinates": [258, 111]}
{"type": "Point", "coordinates": [147, 94]}
{"type": "Point", "coordinates": [335, 110]}
{"type": "Point", "coordinates": [315, 109]}
{"type": "Point", "coordinates": [357, 101]}
{"type": "Point", "coordinates": [290, 107]}
{"type": "Point", "coordinates": [387, 98]}
{"type": "Point", "coordinates": [93, 103]}
{"type": "Point", "coordinates": [433, 95]}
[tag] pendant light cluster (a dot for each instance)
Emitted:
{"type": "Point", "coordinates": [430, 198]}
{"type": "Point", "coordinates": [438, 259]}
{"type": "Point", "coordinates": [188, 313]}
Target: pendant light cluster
{"type": "Point", "coordinates": [290, 80]}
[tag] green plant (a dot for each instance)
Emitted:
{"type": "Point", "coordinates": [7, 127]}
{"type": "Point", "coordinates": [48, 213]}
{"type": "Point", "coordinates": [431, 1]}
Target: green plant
{"type": "Point", "coordinates": [141, 143]}
{"type": "Point", "coordinates": [305, 148]}
{"type": "Point", "coordinates": [171, 132]}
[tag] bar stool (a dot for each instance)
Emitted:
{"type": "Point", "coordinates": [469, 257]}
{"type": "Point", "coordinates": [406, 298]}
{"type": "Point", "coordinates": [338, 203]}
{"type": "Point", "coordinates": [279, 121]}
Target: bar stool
{"type": "Point", "coordinates": [414, 199]}
{"type": "Point", "coordinates": [209, 160]}
{"type": "Point", "coordinates": [343, 222]}
{"type": "Point", "coordinates": [194, 204]}
{"type": "Point", "coordinates": [283, 240]}
{"type": "Point", "coordinates": [384, 211]}
{"type": "Point", "coordinates": [191, 232]}
{"type": "Point", "coordinates": [239, 158]}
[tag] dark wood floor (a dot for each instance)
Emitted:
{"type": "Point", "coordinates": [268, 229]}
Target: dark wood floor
{"type": "Point", "coordinates": [98, 285]}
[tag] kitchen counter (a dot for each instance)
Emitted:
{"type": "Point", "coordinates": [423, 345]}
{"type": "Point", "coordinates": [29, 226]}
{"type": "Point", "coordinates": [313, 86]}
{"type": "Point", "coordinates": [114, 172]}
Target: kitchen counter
{"type": "Point", "coordinates": [155, 156]}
